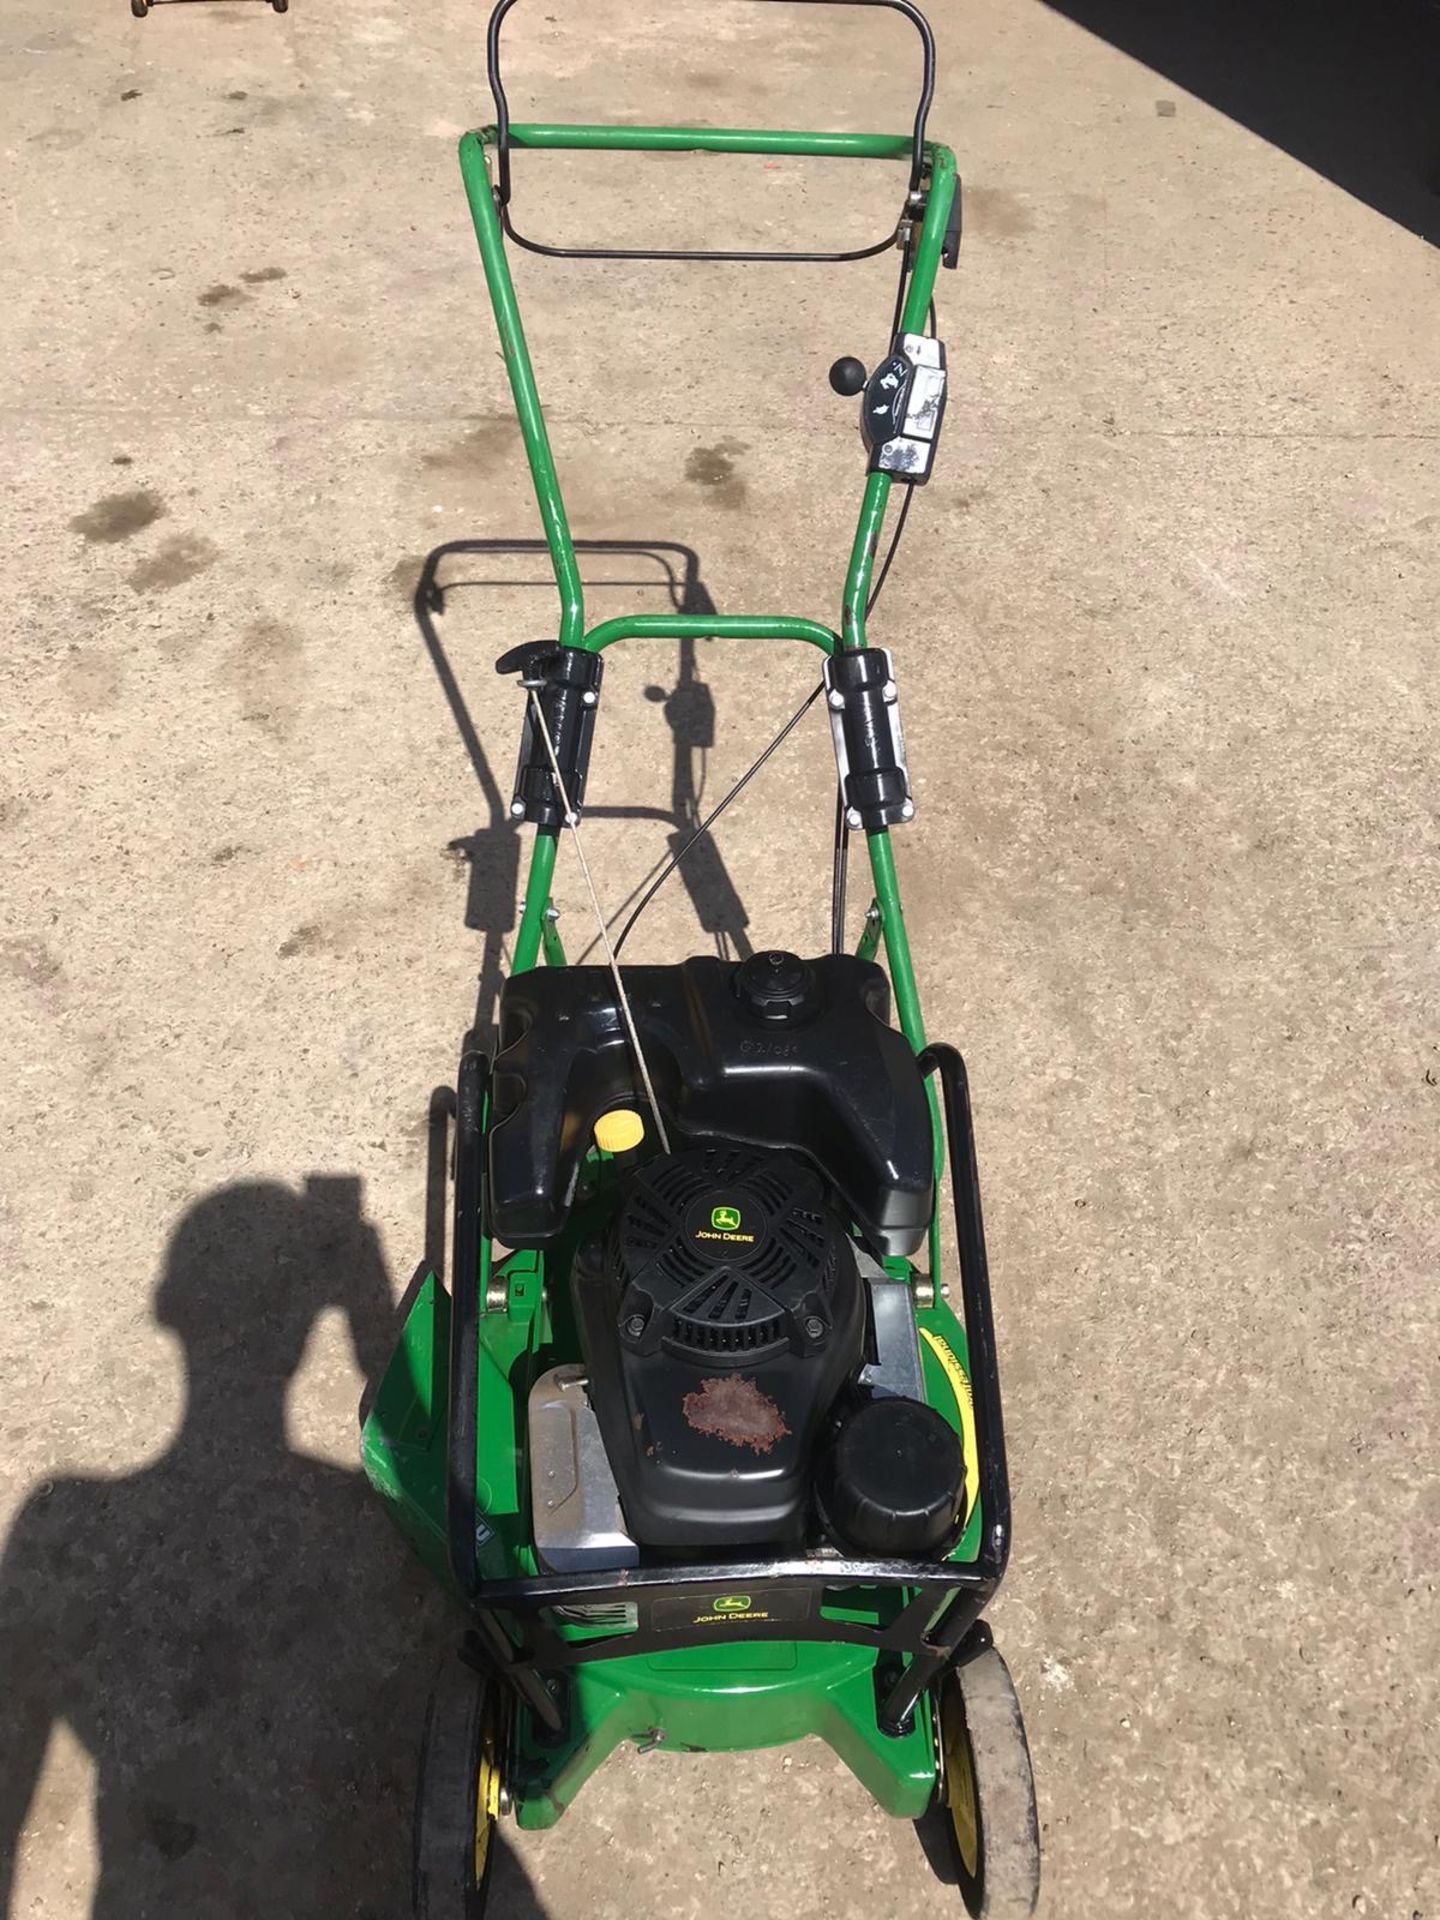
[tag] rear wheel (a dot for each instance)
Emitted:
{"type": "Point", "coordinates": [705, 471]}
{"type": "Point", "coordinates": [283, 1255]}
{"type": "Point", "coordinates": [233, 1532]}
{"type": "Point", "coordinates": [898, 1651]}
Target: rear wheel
{"type": "Point", "coordinates": [988, 1790]}
{"type": "Point", "coordinates": [458, 1799]}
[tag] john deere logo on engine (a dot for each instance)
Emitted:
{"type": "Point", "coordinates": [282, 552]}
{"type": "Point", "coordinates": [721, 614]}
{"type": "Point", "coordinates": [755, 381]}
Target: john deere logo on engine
{"type": "Point", "coordinates": [724, 1228]}
{"type": "Point", "coordinates": [733, 1603]}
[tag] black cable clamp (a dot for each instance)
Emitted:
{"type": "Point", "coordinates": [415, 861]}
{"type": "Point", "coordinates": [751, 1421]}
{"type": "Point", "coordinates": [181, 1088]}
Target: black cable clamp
{"type": "Point", "coordinates": [864, 708]}
{"type": "Point", "coordinates": [566, 683]}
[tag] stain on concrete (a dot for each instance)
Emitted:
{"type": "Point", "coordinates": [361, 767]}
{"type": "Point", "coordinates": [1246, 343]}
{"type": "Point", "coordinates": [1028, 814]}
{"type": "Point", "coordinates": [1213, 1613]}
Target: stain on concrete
{"type": "Point", "coordinates": [1245, 1147]}
{"type": "Point", "coordinates": [213, 326]}
{"type": "Point", "coordinates": [171, 1836]}
{"type": "Point", "coordinates": [222, 295]}
{"type": "Point", "coordinates": [238, 94]}
{"type": "Point", "coordinates": [307, 939]}
{"type": "Point", "coordinates": [173, 562]}
{"type": "Point", "coordinates": [30, 960]}
{"type": "Point", "coordinates": [259, 276]}
{"type": "Point", "coordinates": [131, 93]}
{"type": "Point", "coordinates": [91, 680]}
{"type": "Point", "coordinates": [997, 212]}
{"type": "Point", "coordinates": [119, 516]}
{"type": "Point", "coordinates": [122, 460]}
{"type": "Point", "coordinates": [714, 469]}
{"type": "Point", "coordinates": [489, 438]}
{"type": "Point", "coordinates": [232, 850]}
{"type": "Point", "coordinates": [266, 112]}
{"type": "Point", "coordinates": [98, 1051]}
{"type": "Point", "coordinates": [404, 577]}
{"type": "Point", "coordinates": [266, 671]}
{"type": "Point", "coordinates": [57, 139]}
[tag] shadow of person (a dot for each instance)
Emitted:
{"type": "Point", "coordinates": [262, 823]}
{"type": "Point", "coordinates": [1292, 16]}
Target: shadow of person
{"type": "Point", "coordinates": [233, 1633]}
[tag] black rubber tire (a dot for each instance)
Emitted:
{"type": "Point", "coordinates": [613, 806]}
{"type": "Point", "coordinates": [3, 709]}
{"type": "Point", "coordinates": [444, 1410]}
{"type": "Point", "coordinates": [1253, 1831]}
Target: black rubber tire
{"type": "Point", "coordinates": [980, 1723]}
{"type": "Point", "coordinates": [281, 6]}
{"type": "Point", "coordinates": [443, 1884]}
{"type": "Point", "coordinates": [139, 8]}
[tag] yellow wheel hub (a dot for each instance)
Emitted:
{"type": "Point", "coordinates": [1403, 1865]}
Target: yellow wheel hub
{"type": "Point", "coordinates": [960, 1782]}
{"type": "Point", "coordinates": [487, 1797]}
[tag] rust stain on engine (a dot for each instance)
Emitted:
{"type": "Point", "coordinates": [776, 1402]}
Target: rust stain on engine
{"type": "Point", "coordinates": [736, 1411]}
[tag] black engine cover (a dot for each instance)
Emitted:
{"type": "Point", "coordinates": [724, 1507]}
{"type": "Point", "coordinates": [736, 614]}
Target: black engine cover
{"type": "Point", "coordinates": [773, 1052]}
{"type": "Point", "coordinates": [719, 1324]}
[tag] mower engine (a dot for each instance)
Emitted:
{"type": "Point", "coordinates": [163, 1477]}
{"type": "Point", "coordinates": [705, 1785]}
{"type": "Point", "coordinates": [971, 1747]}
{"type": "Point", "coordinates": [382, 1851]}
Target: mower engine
{"type": "Point", "coordinates": [752, 1373]}
{"type": "Point", "coordinates": [726, 1315]}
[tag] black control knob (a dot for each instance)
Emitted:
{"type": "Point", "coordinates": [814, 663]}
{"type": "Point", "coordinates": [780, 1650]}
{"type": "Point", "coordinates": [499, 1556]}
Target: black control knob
{"type": "Point", "coordinates": [847, 376]}
{"type": "Point", "coordinates": [777, 987]}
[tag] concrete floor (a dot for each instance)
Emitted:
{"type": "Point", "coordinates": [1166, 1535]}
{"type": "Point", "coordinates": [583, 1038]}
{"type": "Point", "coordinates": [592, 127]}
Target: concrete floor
{"type": "Point", "coordinates": [1166, 628]}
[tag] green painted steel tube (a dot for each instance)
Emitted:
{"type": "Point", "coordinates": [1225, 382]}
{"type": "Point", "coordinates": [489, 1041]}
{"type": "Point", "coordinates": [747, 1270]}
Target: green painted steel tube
{"type": "Point", "coordinates": [476, 176]}
{"type": "Point", "coordinates": [907, 1000]}
{"type": "Point", "coordinates": [897, 944]}
{"type": "Point", "coordinates": [537, 898]}
{"type": "Point", "coordinates": [931, 244]}
{"type": "Point", "coordinates": [708, 626]}
{"type": "Point", "coordinates": [862, 558]}
{"type": "Point", "coordinates": [838, 146]}
{"type": "Point", "coordinates": [914, 318]}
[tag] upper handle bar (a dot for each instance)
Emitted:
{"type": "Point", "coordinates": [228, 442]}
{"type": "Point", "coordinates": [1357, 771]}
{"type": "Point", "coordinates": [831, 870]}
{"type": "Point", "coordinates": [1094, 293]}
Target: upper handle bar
{"type": "Point", "coordinates": [502, 143]}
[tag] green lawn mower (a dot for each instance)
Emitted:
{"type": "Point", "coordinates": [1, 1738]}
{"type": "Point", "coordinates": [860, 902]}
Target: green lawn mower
{"type": "Point", "coordinates": [695, 1432]}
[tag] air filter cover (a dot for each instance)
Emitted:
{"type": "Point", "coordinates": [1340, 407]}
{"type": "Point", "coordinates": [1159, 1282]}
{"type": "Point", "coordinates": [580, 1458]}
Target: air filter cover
{"type": "Point", "coordinates": [893, 1480]}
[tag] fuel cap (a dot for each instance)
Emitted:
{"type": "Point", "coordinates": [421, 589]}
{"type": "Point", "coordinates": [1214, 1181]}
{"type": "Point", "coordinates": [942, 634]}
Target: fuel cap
{"type": "Point", "coordinates": [777, 987]}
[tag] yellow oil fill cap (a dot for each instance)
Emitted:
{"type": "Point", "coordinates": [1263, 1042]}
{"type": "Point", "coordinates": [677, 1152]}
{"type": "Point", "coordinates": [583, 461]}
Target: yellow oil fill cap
{"type": "Point", "coordinates": [617, 1132]}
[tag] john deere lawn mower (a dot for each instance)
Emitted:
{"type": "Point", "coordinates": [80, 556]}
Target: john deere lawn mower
{"type": "Point", "coordinates": [695, 1432]}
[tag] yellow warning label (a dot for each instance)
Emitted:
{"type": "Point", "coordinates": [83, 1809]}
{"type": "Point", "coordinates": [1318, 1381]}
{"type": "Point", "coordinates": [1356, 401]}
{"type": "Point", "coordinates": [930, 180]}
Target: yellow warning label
{"type": "Point", "coordinates": [959, 1382]}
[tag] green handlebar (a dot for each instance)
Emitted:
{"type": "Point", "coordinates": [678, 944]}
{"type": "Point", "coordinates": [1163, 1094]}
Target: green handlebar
{"type": "Point", "coordinates": [926, 247]}
{"type": "Point", "coordinates": [709, 626]}
{"type": "Point", "coordinates": [839, 146]}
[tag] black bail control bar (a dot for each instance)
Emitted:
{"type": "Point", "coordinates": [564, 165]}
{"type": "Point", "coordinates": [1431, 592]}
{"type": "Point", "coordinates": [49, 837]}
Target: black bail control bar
{"type": "Point", "coordinates": [566, 683]}
{"type": "Point", "coordinates": [864, 708]}
{"type": "Point", "coordinates": [504, 148]}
